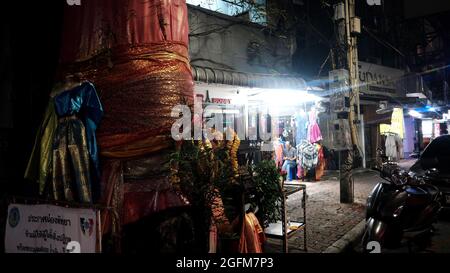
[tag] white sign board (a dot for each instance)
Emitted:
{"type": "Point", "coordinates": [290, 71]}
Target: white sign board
{"type": "Point", "coordinates": [378, 79]}
{"type": "Point", "coordinates": [50, 229]}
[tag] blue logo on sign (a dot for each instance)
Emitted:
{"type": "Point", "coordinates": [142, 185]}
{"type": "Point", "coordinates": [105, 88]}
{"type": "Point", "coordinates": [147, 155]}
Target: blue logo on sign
{"type": "Point", "coordinates": [14, 217]}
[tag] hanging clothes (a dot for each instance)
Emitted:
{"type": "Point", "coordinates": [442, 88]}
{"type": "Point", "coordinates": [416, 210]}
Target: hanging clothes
{"type": "Point", "coordinates": [252, 235]}
{"type": "Point", "coordinates": [399, 144]}
{"type": "Point", "coordinates": [320, 162]}
{"type": "Point", "coordinates": [65, 158]}
{"type": "Point", "coordinates": [391, 146]}
{"type": "Point", "coordinates": [308, 155]}
{"type": "Point", "coordinates": [301, 125]}
{"type": "Point", "coordinates": [84, 102]}
{"type": "Point", "coordinates": [40, 162]}
{"type": "Point", "coordinates": [279, 148]}
{"type": "Point", "coordinates": [314, 133]}
{"type": "Point", "coordinates": [71, 180]}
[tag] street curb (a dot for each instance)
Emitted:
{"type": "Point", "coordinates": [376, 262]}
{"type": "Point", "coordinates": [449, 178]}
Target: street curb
{"type": "Point", "coordinates": [349, 238]}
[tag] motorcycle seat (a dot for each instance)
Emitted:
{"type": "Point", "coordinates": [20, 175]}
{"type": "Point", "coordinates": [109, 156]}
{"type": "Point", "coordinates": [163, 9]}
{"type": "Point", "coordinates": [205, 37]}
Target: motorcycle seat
{"type": "Point", "coordinates": [432, 190]}
{"type": "Point", "coordinates": [429, 190]}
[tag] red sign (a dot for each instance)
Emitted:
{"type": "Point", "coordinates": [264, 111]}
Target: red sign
{"type": "Point", "coordinates": [221, 101]}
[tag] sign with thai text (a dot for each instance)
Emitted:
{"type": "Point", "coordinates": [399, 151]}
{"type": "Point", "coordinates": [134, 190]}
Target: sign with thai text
{"type": "Point", "coordinates": [378, 79]}
{"type": "Point", "coordinates": [50, 229]}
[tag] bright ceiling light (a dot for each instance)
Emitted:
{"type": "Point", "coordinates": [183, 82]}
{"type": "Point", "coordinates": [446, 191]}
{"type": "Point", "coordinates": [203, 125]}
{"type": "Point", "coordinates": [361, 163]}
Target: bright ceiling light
{"type": "Point", "coordinates": [287, 97]}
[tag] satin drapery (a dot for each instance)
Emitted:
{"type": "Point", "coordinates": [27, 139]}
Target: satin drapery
{"type": "Point", "coordinates": [136, 54]}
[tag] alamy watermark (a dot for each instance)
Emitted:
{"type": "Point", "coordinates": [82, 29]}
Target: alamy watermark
{"type": "Point", "coordinates": [73, 2]}
{"type": "Point", "coordinates": [222, 123]}
{"type": "Point", "coordinates": [374, 2]}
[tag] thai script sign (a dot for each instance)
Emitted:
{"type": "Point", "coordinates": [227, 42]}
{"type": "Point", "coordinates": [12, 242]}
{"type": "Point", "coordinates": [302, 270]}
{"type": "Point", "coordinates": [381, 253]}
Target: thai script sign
{"type": "Point", "coordinates": [49, 229]}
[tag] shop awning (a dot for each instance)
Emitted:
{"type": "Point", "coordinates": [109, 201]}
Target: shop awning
{"type": "Point", "coordinates": [244, 79]}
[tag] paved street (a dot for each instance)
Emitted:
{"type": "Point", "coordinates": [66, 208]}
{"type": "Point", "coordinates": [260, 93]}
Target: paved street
{"type": "Point", "coordinates": [327, 219]}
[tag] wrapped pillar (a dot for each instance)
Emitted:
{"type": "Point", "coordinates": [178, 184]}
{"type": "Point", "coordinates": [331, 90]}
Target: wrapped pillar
{"type": "Point", "coordinates": [136, 54]}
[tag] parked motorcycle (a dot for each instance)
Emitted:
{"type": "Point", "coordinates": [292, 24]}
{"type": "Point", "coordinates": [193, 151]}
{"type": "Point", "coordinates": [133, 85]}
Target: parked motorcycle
{"type": "Point", "coordinates": [400, 210]}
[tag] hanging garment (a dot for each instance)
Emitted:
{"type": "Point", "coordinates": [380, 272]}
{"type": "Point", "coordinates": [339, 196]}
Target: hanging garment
{"type": "Point", "coordinates": [252, 235]}
{"type": "Point", "coordinates": [278, 146]}
{"type": "Point", "coordinates": [40, 162]}
{"type": "Point", "coordinates": [71, 172]}
{"type": "Point", "coordinates": [321, 162]}
{"type": "Point", "coordinates": [314, 133]}
{"type": "Point", "coordinates": [391, 147]}
{"type": "Point", "coordinates": [308, 155]}
{"type": "Point", "coordinates": [300, 171]}
{"type": "Point", "coordinates": [301, 125]}
{"type": "Point", "coordinates": [399, 144]}
{"type": "Point", "coordinates": [84, 102]}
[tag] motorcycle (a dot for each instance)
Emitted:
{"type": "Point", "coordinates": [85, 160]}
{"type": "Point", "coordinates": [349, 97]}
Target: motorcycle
{"type": "Point", "coordinates": [400, 210]}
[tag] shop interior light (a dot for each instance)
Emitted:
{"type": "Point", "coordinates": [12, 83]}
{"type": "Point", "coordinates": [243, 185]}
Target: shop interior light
{"type": "Point", "coordinates": [287, 97]}
{"type": "Point", "coordinates": [415, 114]}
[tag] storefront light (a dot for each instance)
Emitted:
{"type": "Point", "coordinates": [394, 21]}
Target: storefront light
{"type": "Point", "coordinates": [415, 114]}
{"type": "Point", "coordinates": [286, 97]}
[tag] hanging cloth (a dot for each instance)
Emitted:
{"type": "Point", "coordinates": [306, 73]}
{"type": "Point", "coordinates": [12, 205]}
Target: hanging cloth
{"type": "Point", "coordinates": [314, 133]}
{"type": "Point", "coordinates": [308, 155]}
{"type": "Point", "coordinates": [391, 146]}
{"type": "Point", "coordinates": [40, 162]}
{"type": "Point", "coordinates": [399, 144]}
{"type": "Point", "coordinates": [321, 162]}
{"type": "Point", "coordinates": [71, 180]}
{"type": "Point", "coordinates": [252, 235]}
{"type": "Point", "coordinates": [301, 125]}
{"type": "Point", "coordinates": [279, 147]}
{"type": "Point", "coordinates": [83, 102]}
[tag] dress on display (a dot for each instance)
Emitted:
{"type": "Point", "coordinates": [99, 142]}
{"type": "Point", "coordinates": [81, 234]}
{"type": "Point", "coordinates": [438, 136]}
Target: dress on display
{"type": "Point", "coordinates": [314, 134]}
{"type": "Point", "coordinates": [321, 162]}
{"type": "Point", "coordinates": [65, 157]}
{"type": "Point", "coordinates": [308, 155]}
{"type": "Point", "coordinates": [75, 143]}
{"type": "Point", "coordinates": [279, 147]}
{"type": "Point", "coordinates": [41, 159]}
{"type": "Point", "coordinates": [301, 124]}
{"type": "Point", "coordinates": [252, 235]}
{"type": "Point", "coordinates": [71, 172]}
{"type": "Point", "coordinates": [391, 146]}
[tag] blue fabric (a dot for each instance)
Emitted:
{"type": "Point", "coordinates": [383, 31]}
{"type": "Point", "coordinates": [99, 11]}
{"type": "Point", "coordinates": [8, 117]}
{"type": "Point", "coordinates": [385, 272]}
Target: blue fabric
{"type": "Point", "coordinates": [85, 103]}
{"type": "Point", "coordinates": [301, 124]}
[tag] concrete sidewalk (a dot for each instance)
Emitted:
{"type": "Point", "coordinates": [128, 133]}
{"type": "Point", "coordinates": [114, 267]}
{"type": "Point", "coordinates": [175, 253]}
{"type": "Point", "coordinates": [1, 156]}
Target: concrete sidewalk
{"type": "Point", "coordinates": [331, 226]}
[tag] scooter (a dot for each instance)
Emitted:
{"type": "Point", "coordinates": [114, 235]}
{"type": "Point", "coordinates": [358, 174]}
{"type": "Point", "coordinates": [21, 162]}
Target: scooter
{"type": "Point", "coordinates": [400, 210]}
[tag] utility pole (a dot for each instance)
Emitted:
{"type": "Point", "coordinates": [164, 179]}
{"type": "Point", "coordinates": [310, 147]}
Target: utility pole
{"type": "Point", "coordinates": [349, 25]}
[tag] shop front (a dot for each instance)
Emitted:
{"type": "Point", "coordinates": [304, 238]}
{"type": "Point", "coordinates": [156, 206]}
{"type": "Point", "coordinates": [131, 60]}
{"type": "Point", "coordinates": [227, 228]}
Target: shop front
{"type": "Point", "coordinates": [270, 119]}
{"type": "Point", "coordinates": [403, 133]}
